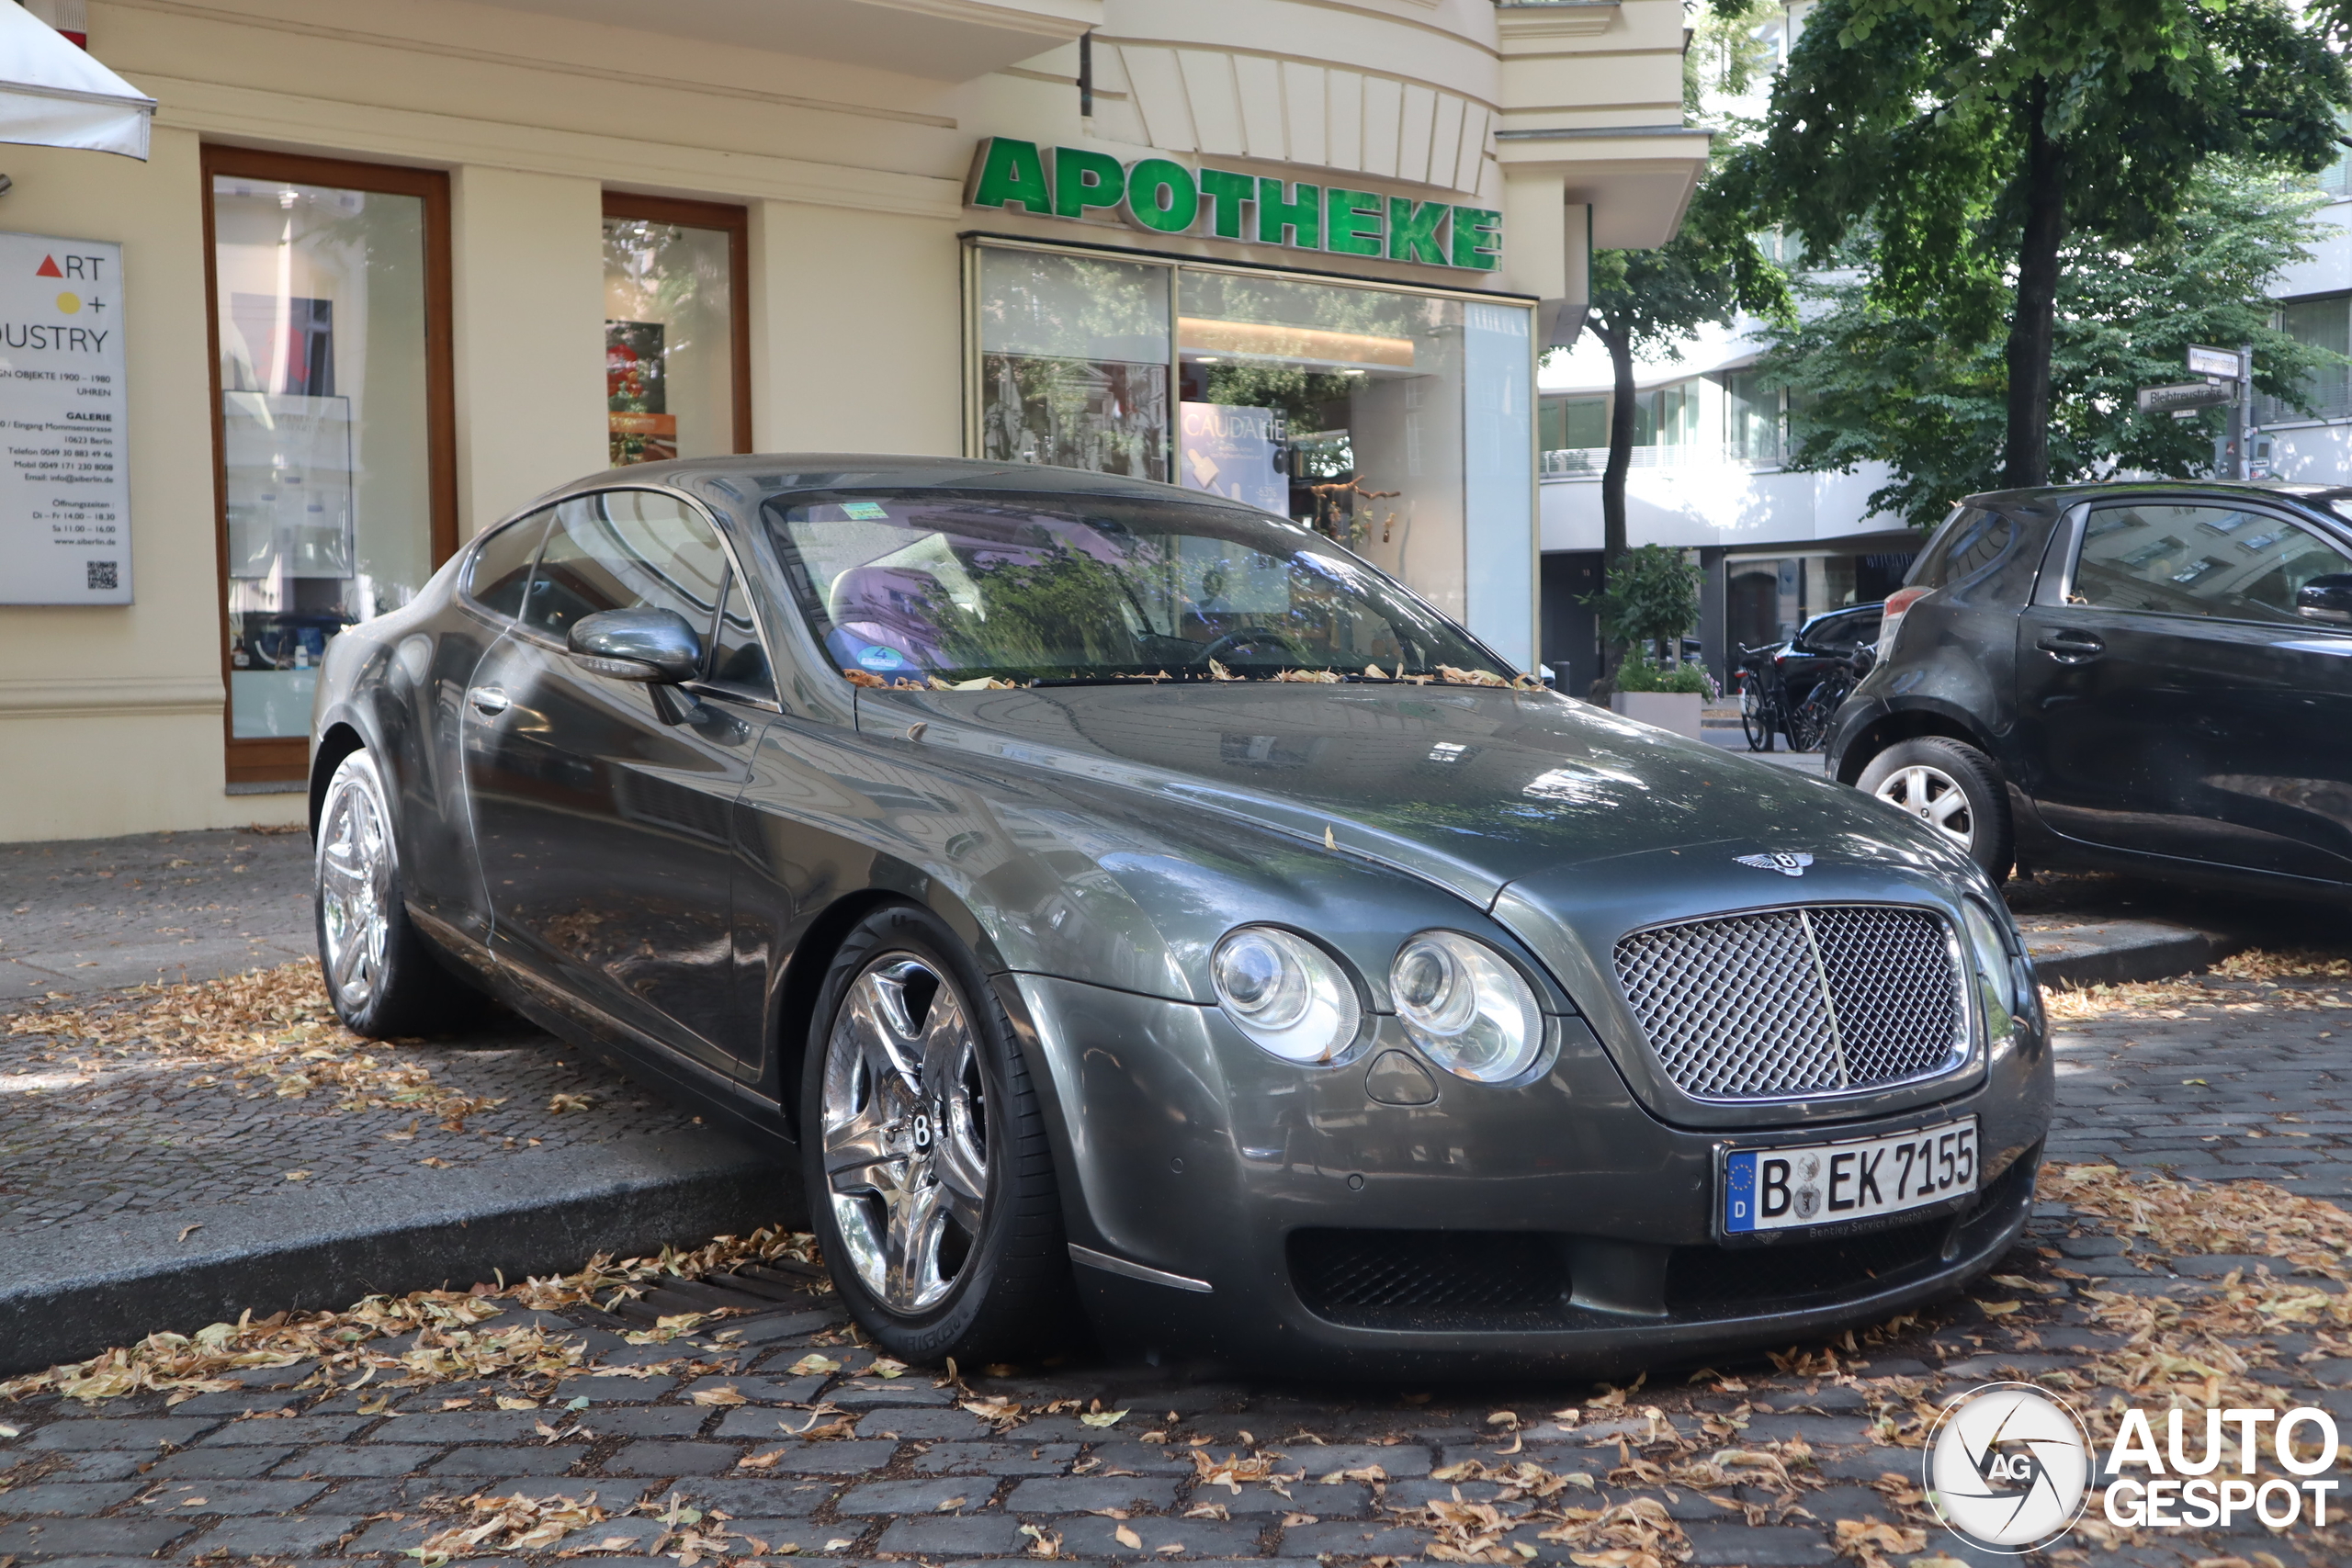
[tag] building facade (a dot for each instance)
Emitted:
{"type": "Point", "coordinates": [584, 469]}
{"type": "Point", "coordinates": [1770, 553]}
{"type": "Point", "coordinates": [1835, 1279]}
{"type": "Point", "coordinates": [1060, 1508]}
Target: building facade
{"type": "Point", "coordinates": [391, 271]}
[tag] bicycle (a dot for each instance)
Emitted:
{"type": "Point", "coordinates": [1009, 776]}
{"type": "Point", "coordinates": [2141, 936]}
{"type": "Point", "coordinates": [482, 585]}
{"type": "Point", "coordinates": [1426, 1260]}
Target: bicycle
{"type": "Point", "coordinates": [1809, 723]}
{"type": "Point", "coordinates": [1763, 699]}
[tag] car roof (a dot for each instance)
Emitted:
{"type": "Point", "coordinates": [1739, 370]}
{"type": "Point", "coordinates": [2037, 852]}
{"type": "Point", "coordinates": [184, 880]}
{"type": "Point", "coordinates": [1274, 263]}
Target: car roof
{"type": "Point", "coordinates": [2068, 494]}
{"type": "Point", "coordinates": [750, 478]}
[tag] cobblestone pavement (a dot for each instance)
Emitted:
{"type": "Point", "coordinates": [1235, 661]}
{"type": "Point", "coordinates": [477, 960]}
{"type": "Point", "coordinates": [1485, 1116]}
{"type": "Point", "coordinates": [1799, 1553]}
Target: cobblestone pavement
{"type": "Point", "coordinates": [2247, 1081]}
{"type": "Point", "coordinates": [96, 914]}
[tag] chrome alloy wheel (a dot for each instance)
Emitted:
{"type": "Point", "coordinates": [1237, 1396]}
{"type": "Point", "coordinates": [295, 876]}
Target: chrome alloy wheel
{"type": "Point", "coordinates": [1934, 797]}
{"type": "Point", "coordinates": [906, 1132]}
{"type": "Point", "coordinates": [355, 888]}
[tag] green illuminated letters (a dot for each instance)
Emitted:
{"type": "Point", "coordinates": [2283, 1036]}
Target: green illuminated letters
{"type": "Point", "coordinates": [1162, 196]}
{"type": "Point", "coordinates": [1477, 238]}
{"type": "Point", "coordinates": [1165, 196]}
{"type": "Point", "coordinates": [1412, 230]}
{"type": "Point", "coordinates": [1351, 222]}
{"type": "Point", "coordinates": [1011, 171]}
{"type": "Point", "coordinates": [1302, 217]}
{"type": "Point", "coordinates": [1083, 179]}
{"type": "Point", "coordinates": [1227, 191]}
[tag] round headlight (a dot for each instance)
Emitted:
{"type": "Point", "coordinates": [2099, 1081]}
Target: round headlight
{"type": "Point", "coordinates": [1285, 993]}
{"type": "Point", "coordinates": [1466, 1007]}
{"type": "Point", "coordinates": [1997, 977]}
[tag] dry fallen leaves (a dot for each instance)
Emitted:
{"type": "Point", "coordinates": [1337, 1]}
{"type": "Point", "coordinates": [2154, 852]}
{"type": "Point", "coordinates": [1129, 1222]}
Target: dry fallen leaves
{"type": "Point", "coordinates": [273, 1030]}
{"type": "Point", "coordinates": [450, 1342]}
{"type": "Point", "coordinates": [517, 1524]}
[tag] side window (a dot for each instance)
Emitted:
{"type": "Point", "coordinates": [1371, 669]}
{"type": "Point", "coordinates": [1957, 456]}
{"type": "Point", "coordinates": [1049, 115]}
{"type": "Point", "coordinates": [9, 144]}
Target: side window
{"type": "Point", "coordinates": [502, 567]}
{"type": "Point", "coordinates": [626, 549]}
{"type": "Point", "coordinates": [738, 662]}
{"type": "Point", "coordinates": [2210, 560]}
{"type": "Point", "coordinates": [1970, 540]}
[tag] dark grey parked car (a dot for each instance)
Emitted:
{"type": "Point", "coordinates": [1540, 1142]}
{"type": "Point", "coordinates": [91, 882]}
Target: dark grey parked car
{"type": "Point", "coordinates": [1123, 897]}
{"type": "Point", "coordinates": [2151, 677]}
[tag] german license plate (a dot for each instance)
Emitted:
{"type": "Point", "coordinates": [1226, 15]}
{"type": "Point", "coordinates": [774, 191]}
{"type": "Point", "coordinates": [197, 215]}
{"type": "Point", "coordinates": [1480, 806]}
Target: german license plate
{"type": "Point", "coordinates": [1820, 1184]}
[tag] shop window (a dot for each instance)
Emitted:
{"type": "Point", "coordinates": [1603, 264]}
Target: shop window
{"type": "Point", "coordinates": [1385, 418]}
{"type": "Point", "coordinates": [1074, 362]}
{"type": "Point", "coordinates": [2323, 323]}
{"type": "Point", "coordinates": [330, 287]}
{"type": "Point", "coordinates": [677, 330]}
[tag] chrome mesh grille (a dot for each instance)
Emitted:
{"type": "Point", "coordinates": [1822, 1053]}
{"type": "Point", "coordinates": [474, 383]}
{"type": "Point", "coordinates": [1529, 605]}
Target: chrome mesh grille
{"type": "Point", "coordinates": [1817, 999]}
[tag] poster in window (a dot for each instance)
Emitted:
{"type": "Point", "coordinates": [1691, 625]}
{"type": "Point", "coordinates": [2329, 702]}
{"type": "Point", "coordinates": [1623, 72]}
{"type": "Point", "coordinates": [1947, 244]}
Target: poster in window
{"type": "Point", "coordinates": [640, 425]}
{"type": "Point", "coordinates": [65, 496]}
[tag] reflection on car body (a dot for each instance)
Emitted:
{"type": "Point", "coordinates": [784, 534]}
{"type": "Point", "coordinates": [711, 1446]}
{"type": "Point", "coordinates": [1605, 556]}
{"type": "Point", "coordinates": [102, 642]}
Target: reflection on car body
{"type": "Point", "coordinates": [1121, 899]}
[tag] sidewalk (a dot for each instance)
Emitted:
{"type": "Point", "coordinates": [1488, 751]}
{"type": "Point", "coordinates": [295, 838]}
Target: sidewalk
{"type": "Point", "coordinates": [98, 914]}
{"type": "Point", "coordinates": [166, 1161]}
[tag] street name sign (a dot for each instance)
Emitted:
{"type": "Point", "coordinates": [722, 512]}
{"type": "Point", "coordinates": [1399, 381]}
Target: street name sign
{"type": "Point", "coordinates": [2214, 362]}
{"type": "Point", "coordinates": [65, 492]}
{"type": "Point", "coordinates": [2186, 395]}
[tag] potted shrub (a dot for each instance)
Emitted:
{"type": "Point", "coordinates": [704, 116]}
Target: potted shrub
{"type": "Point", "coordinates": [1670, 699]}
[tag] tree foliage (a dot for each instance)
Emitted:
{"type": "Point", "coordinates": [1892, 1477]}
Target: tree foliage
{"type": "Point", "coordinates": [1652, 594]}
{"type": "Point", "coordinates": [1925, 389]}
{"type": "Point", "coordinates": [1974, 144]}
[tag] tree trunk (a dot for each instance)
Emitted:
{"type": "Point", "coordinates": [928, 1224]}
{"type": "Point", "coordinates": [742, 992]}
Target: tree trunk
{"type": "Point", "coordinates": [2030, 330]}
{"type": "Point", "coordinates": [1621, 446]}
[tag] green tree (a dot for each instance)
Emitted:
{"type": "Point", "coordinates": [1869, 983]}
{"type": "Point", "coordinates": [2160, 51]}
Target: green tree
{"type": "Point", "coordinates": [1915, 390]}
{"type": "Point", "coordinates": [1651, 596]}
{"type": "Point", "coordinates": [1976, 145]}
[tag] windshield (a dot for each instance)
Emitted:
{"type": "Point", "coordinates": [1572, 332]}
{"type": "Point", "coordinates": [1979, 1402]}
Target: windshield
{"type": "Point", "coordinates": [954, 587]}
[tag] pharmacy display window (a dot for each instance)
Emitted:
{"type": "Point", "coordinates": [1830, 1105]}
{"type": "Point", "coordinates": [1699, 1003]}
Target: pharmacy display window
{"type": "Point", "coordinates": [334, 443]}
{"type": "Point", "coordinates": [677, 330]}
{"type": "Point", "coordinates": [1397, 422]}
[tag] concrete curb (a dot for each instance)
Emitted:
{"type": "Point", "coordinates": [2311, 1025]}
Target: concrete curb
{"type": "Point", "coordinates": [2113, 952]}
{"type": "Point", "coordinates": [75, 1290]}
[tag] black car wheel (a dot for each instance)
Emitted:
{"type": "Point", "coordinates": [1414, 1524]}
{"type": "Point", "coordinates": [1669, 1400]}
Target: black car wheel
{"type": "Point", "coordinates": [381, 973]}
{"type": "Point", "coordinates": [1953, 788]}
{"type": "Point", "coordinates": [930, 1184]}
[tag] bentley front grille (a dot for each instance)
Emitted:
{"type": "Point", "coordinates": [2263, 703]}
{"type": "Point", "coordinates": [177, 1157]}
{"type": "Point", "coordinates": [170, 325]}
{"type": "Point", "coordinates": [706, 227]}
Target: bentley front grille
{"type": "Point", "coordinates": [1820, 999]}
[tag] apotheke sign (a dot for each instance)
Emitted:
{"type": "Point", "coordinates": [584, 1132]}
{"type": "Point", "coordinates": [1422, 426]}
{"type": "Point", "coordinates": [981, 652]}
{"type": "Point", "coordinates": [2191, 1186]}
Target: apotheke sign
{"type": "Point", "coordinates": [1160, 195]}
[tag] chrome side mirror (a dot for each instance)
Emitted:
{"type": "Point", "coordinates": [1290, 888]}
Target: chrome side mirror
{"type": "Point", "coordinates": [2327, 598]}
{"type": "Point", "coordinates": [654, 646]}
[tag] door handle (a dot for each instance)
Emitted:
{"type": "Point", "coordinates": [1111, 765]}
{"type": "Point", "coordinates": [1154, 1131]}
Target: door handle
{"type": "Point", "coordinates": [489, 701]}
{"type": "Point", "coordinates": [2071, 647]}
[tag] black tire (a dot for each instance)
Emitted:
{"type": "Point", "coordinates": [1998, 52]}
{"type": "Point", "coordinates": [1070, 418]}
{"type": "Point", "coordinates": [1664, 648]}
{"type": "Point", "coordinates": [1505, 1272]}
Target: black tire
{"type": "Point", "coordinates": [1755, 717]}
{"type": "Point", "coordinates": [1012, 1289]}
{"type": "Point", "coordinates": [1922, 777]}
{"type": "Point", "coordinates": [384, 982]}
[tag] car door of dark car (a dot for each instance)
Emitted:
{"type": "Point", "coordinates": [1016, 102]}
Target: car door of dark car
{"type": "Point", "coordinates": [2177, 704]}
{"type": "Point", "coordinates": [602, 805]}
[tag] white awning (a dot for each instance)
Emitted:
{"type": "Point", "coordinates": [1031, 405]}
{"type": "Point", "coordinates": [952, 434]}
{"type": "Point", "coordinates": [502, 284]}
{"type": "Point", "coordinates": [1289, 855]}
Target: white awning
{"type": "Point", "coordinates": [55, 94]}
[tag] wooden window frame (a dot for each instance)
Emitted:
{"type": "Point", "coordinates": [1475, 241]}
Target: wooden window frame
{"type": "Point", "coordinates": [735, 223]}
{"type": "Point", "coordinates": [285, 758]}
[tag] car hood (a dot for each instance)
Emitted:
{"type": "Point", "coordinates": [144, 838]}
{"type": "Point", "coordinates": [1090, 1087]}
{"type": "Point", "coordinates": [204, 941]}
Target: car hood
{"type": "Point", "coordinates": [1471, 788]}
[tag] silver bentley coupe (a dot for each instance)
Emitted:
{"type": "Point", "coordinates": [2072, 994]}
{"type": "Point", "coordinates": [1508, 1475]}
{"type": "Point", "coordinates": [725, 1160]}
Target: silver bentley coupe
{"type": "Point", "coordinates": [1119, 901]}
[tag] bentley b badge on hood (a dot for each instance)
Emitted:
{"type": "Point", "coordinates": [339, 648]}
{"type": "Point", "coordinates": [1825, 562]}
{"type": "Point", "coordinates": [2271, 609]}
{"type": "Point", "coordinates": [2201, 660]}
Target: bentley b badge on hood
{"type": "Point", "coordinates": [1786, 864]}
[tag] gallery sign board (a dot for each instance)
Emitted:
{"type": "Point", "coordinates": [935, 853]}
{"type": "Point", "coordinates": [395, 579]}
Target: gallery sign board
{"type": "Point", "coordinates": [65, 492]}
{"type": "Point", "coordinates": [1159, 196]}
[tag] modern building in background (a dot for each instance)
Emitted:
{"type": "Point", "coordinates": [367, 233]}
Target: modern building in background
{"type": "Point", "coordinates": [391, 271]}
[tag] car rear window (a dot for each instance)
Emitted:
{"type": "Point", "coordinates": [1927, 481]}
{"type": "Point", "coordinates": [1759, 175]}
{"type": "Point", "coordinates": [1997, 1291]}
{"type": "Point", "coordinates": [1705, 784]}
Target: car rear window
{"type": "Point", "coordinates": [1972, 538]}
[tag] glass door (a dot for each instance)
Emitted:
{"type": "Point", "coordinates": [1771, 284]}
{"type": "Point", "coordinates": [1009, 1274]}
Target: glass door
{"type": "Point", "coordinates": [332, 422]}
{"type": "Point", "coordinates": [677, 330]}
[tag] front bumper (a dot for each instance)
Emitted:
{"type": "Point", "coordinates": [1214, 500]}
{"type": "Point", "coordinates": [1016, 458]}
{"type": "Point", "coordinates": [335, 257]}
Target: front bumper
{"type": "Point", "coordinates": [1554, 1224]}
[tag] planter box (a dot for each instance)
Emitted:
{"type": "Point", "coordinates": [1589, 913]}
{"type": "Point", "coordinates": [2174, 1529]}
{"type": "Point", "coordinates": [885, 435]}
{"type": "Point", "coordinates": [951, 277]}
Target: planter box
{"type": "Point", "coordinates": [1677, 711]}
